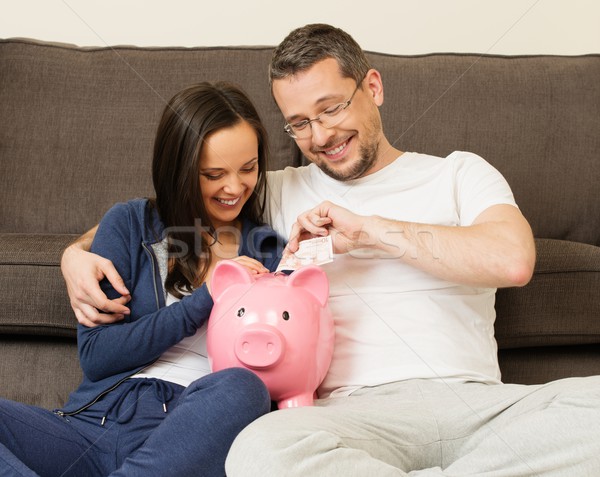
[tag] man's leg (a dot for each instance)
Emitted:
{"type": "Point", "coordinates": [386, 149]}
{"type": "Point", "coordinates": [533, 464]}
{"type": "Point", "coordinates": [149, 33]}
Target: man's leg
{"type": "Point", "coordinates": [546, 430]}
{"type": "Point", "coordinates": [381, 431]}
{"type": "Point", "coordinates": [434, 429]}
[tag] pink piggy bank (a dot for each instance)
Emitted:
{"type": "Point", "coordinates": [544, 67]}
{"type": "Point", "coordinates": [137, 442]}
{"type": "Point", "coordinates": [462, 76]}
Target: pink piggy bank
{"type": "Point", "coordinates": [277, 326]}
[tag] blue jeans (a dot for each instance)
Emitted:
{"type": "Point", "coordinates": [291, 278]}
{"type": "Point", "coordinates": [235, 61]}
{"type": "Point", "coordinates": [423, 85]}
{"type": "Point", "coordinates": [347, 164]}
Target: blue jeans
{"type": "Point", "coordinates": [128, 432]}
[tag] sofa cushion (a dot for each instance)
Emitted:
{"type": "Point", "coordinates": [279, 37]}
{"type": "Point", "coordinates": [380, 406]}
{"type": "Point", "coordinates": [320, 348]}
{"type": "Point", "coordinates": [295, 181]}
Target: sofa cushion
{"type": "Point", "coordinates": [34, 294]}
{"type": "Point", "coordinates": [38, 371]}
{"type": "Point", "coordinates": [559, 306]}
{"type": "Point", "coordinates": [547, 363]}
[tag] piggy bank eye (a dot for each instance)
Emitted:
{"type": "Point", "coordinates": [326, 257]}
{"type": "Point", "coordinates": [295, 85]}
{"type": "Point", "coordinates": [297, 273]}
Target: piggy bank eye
{"type": "Point", "coordinates": [285, 315]}
{"type": "Point", "coordinates": [241, 312]}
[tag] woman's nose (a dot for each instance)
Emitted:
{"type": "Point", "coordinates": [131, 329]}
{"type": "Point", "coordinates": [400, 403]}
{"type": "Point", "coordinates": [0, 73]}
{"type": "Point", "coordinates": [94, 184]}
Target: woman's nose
{"type": "Point", "coordinates": [234, 184]}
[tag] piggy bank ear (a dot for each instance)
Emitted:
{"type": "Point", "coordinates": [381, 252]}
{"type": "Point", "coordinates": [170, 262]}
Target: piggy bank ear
{"type": "Point", "coordinates": [226, 274]}
{"type": "Point", "coordinates": [313, 279]}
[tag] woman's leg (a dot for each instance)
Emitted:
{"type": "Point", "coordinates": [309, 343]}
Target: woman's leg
{"type": "Point", "coordinates": [196, 434]}
{"type": "Point", "coordinates": [35, 441]}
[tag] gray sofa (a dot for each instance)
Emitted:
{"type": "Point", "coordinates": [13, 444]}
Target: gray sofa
{"type": "Point", "coordinates": [76, 132]}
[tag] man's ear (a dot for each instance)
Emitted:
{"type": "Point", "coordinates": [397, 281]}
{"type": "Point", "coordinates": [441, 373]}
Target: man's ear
{"type": "Point", "coordinates": [374, 84]}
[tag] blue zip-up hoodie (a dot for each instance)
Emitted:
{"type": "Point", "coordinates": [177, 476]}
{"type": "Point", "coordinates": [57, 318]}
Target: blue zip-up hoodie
{"type": "Point", "coordinates": [109, 354]}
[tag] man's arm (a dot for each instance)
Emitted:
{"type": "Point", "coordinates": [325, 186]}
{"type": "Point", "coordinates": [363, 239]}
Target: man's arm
{"type": "Point", "coordinates": [82, 272]}
{"type": "Point", "coordinates": [497, 250]}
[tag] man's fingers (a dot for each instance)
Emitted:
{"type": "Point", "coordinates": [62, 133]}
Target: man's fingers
{"type": "Point", "coordinates": [108, 270]}
{"type": "Point", "coordinates": [313, 223]}
{"type": "Point", "coordinates": [91, 317]}
{"type": "Point", "coordinates": [294, 238]}
{"type": "Point", "coordinates": [94, 297]}
{"type": "Point", "coordinates": [82, 319]}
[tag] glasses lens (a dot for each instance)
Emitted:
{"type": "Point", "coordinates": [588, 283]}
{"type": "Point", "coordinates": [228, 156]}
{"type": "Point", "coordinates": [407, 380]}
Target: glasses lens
{"type": "Point", "coordinates": [329, 118]}
{"type": "Point", "coordinates": [335, 115]}
{"type": "Point", "coordinates": [299, 133]}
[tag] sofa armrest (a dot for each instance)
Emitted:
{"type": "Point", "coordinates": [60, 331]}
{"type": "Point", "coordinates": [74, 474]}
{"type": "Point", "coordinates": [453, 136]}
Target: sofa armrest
{"type": "Point", "coordinates": [33, 296]}
{"type": "Point", "coordinates": [561, 304]}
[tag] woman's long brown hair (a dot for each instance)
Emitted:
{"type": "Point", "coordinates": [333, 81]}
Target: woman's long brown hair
{"type": "Point", "coordinates": [191, 115]}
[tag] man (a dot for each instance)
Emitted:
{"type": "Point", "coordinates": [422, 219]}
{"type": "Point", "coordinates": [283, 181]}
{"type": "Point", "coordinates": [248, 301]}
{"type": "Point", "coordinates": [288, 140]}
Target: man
{"type": "Point", "coordinates": [422, 243]}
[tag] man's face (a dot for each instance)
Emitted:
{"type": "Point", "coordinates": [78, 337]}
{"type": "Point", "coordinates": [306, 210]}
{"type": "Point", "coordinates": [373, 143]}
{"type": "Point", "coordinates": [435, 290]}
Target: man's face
{"type": "Point", "coordinates": [349, 149]}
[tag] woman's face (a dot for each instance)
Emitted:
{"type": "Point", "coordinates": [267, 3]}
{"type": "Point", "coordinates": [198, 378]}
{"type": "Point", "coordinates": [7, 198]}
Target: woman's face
{"type": "Point", "coordinates": [228, 171]}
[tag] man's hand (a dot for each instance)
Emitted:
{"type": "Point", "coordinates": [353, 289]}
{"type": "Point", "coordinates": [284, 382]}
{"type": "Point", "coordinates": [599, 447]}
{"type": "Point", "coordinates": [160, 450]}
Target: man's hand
{"type": "Point", "coordinates": [82, 272]}
{"type": "Point", "coordinates": [496, 250]}
{"type": "Point", "coordinates": [346, 228]}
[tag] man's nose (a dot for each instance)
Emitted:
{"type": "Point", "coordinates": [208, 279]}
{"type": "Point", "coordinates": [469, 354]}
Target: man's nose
{"type": "Point", "coordinates": [320, 134]}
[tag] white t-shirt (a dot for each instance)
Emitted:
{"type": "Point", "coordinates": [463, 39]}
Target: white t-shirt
{"type": "Point", "coordinates": [187, 360]}
{"type": "Point", "coordinates": [393, 321]}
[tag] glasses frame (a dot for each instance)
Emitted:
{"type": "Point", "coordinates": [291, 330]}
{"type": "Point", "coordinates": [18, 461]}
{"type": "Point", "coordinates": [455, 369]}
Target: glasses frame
{"type": "Point", "coordinates": [342, 107]}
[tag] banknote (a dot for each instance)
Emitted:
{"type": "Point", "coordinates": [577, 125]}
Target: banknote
{"type": "Point", "coordinates": [315, 251]}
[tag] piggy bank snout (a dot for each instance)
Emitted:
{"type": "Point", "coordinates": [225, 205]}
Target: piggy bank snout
{"type": "Point", "coordinates": [260, 347]}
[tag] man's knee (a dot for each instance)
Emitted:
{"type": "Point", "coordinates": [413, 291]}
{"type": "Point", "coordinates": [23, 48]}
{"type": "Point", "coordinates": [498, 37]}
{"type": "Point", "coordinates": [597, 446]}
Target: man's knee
{"type": "Point", "coordinates": [255, 451]}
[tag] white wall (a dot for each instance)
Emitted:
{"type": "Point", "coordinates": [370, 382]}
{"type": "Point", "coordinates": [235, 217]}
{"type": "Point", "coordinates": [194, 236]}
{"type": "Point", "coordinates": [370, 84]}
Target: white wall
{"type": "Point", "coordinates": [568, 27]}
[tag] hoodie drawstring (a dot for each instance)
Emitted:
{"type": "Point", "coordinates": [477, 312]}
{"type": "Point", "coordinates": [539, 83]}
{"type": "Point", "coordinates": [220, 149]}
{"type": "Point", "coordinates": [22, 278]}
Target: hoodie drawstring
{"type": "Point", "coordinates": [162, 392]}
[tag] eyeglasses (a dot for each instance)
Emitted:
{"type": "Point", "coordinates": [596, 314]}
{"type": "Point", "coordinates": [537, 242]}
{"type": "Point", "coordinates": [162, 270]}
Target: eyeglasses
{"type": "Point", "coordinates": [329, 118]}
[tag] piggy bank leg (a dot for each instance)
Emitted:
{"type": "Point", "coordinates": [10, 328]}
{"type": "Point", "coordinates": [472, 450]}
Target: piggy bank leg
{"type": "Point", "coordinates": [299, 400]}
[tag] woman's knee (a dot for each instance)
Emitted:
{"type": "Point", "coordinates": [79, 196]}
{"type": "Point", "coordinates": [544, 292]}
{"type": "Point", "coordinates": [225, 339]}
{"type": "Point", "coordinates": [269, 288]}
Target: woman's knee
{"type": "Point", "coordinates": [234, 388]}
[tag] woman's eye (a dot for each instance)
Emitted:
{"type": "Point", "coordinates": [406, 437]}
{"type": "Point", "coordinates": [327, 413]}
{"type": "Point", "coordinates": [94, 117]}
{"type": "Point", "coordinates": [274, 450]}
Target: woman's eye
{"type": "Point", "coordinates": [212, 177]}
{"type": "Point", "coordinates": [248, 170]}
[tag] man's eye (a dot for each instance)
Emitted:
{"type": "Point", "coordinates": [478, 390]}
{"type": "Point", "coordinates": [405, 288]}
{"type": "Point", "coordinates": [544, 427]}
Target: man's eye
{"type": "Point", "coordinates": [334, 109]}
{"type": "Point", "coordinates": [300, 125]}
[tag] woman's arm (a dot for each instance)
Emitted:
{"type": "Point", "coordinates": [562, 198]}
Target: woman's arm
{"type": "Point", "coordinates": [148, 331]}
{"type": "Point", "coordinates": [82, 272]}
{"type": "Point", "coordinates": [126, 345]}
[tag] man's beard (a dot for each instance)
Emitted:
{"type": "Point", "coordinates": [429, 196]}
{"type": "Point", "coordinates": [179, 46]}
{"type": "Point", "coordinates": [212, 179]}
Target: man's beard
{"type": "Point", "coordinates": [366, 160]}
{"type": "Point", "coordinates": [368, 153]}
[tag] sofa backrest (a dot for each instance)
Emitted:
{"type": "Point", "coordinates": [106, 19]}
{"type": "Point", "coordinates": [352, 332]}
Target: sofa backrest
{"type": "Point", "coordinates": [535, 118]}
{"type": "Point", "coordinates": [77, 125]}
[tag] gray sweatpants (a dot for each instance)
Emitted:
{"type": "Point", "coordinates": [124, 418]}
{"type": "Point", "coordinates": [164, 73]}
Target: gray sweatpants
{"type": "Point", "coordinates": [426, 428]}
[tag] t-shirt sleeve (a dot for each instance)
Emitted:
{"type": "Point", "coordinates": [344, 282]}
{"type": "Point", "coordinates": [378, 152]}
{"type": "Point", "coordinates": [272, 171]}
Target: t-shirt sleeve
{"type": "Point", "coordinates": [273, 214]}
{"type": "Point", "coordinates": [478, 186]}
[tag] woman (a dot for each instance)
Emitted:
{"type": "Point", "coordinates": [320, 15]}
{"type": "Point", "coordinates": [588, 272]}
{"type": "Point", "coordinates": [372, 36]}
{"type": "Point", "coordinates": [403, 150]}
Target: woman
{"type": "Point", "coordinates": [148, 404]}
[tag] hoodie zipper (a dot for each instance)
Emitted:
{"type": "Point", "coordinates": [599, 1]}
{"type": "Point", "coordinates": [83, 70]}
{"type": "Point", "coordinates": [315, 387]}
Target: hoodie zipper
{"type": "Point", "coordinates": [97, 398]}
{"type": "Point", "coordinates": [153, 262]}
{"type": "Point", "coordinates": [118, 383]}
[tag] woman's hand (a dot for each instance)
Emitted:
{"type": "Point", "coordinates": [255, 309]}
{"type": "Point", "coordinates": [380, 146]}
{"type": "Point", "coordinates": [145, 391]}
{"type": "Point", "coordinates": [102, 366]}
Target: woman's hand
{"type": "Point", "coordinates": [252, 265]}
